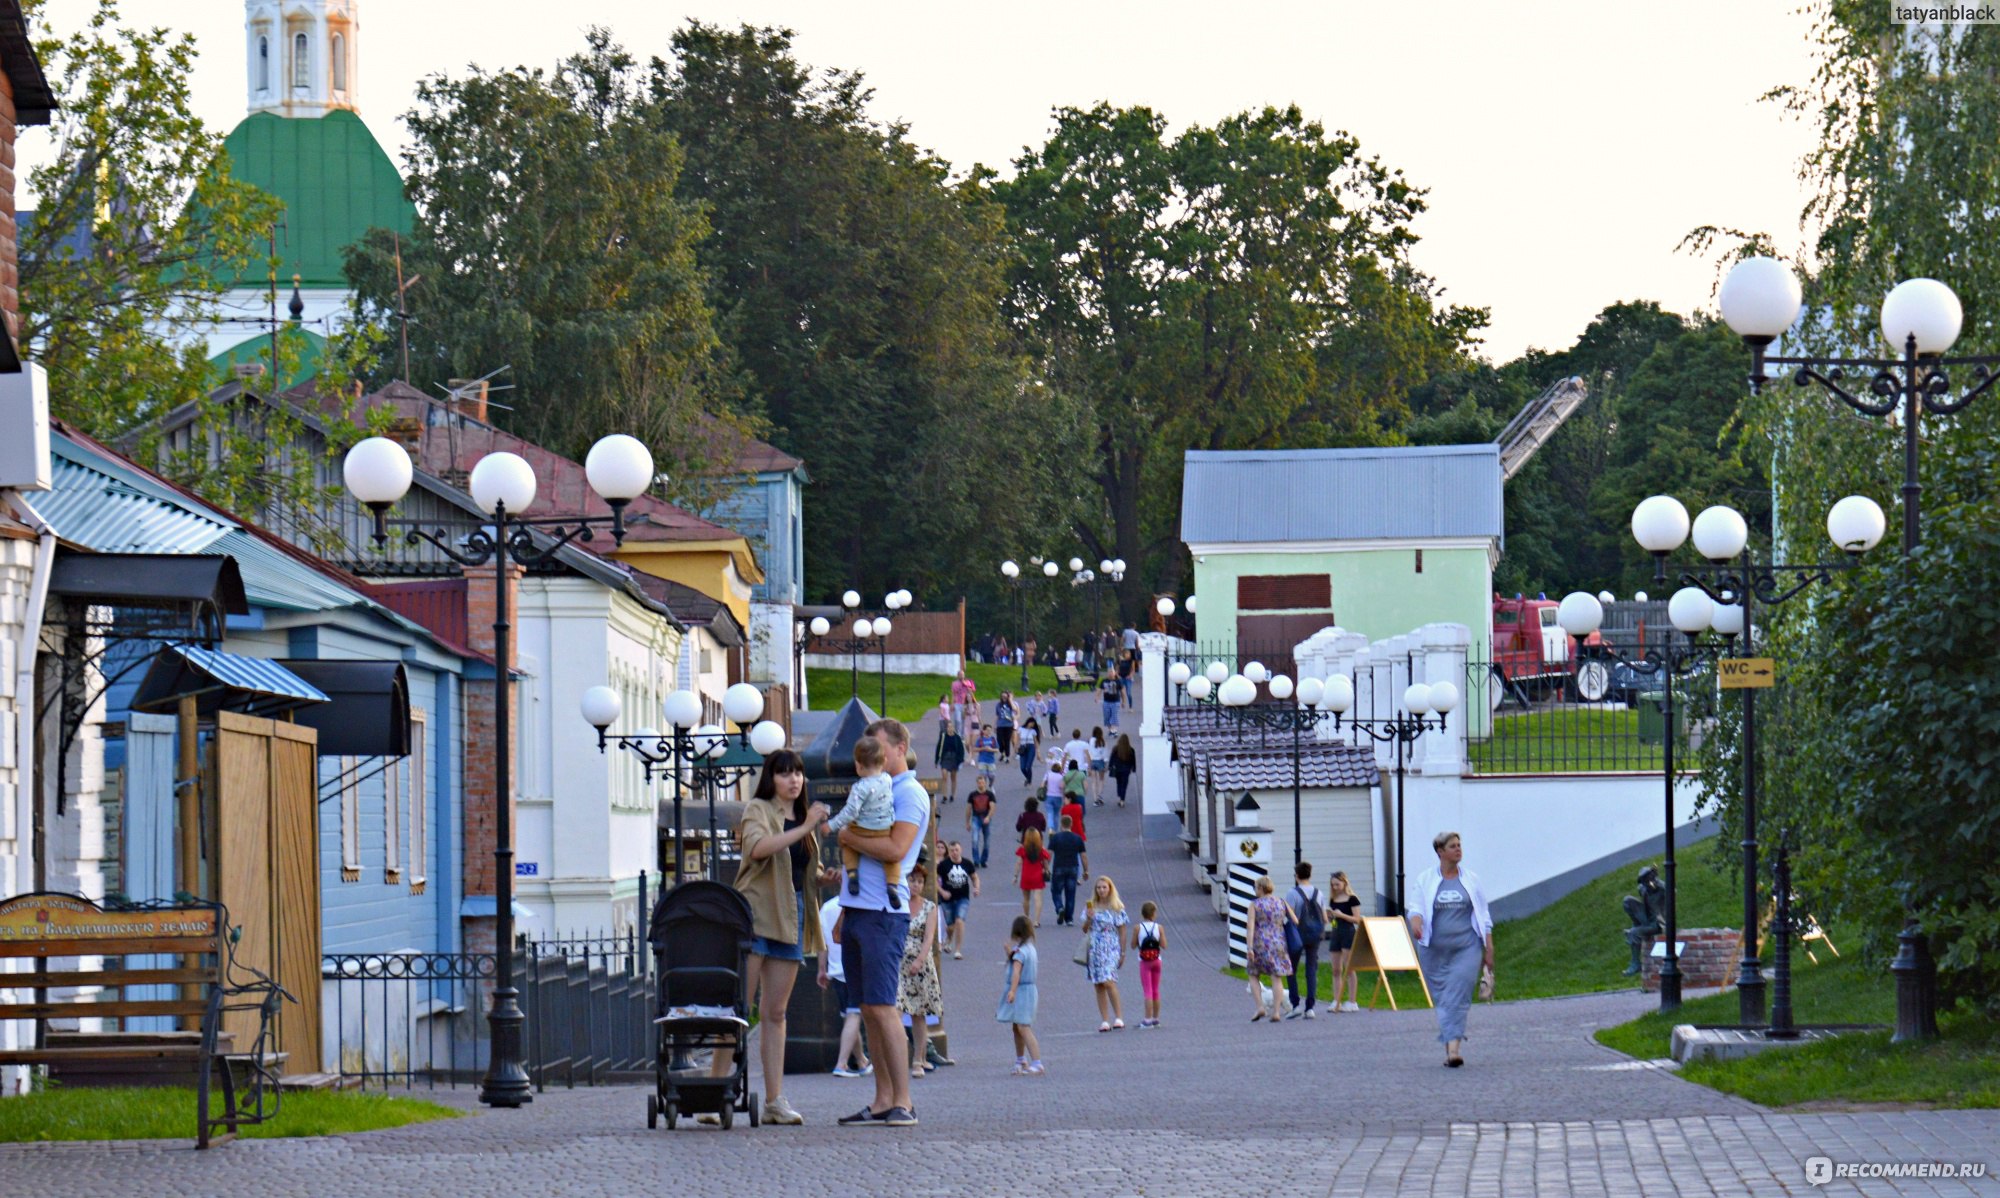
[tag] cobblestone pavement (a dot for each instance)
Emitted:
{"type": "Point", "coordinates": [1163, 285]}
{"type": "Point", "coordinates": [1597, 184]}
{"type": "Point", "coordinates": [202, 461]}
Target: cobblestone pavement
{"type": "Point", "coordinates": [1348, 1104]}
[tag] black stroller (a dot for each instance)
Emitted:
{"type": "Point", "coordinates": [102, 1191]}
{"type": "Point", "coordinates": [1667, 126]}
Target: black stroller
{"type": "Point", "coordinates": [701, 945]}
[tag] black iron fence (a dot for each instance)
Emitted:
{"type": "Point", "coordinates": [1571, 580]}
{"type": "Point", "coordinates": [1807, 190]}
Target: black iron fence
{"type": "Point", "coordinates": [1593, 715]}
{"type": "Point", "coordinates": [419, 1019]}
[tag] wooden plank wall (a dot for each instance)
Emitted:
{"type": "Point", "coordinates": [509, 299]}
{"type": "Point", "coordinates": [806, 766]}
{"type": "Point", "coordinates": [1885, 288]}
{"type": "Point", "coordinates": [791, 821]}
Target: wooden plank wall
{"type": "Point", "coordinates": [267, 869]}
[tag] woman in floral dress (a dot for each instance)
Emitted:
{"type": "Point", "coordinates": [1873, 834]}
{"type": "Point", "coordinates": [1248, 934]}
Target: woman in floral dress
{"type": "Point", "coordinates": [921, 995]}
{"type": "Point", "coordinates": [1268, 958]}
{"type": "Point", "coordinates": [1104, 923]}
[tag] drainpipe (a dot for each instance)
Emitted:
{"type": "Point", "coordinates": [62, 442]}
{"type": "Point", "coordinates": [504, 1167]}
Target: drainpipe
{"type": "Point", "coordinates": [26, 797]}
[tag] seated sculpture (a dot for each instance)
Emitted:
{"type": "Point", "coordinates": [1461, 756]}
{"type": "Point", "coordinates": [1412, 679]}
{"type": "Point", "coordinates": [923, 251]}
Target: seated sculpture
{"type": "Point", "coordinates": [1647, 911]}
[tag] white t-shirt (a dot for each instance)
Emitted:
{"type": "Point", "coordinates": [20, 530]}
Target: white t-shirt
{"type": "Point", "coordinates": [1079, 752]}
{"type": "Point", "coordinates": [828, 912]}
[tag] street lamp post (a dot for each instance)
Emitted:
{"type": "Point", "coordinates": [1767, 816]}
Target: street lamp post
{"type": "Point", "coordinates": [1012, 572]}
{"type": "Point", "coordinates": [1720, 535]}
{"type": "Point", "coordinates": [377, 472]}
{"type": "Point", "coordinates": [1109, 573]}
{"type": "Point", "coordinates": [703, 750]}
{"type": "Point", "coordinates": [1760, 300]}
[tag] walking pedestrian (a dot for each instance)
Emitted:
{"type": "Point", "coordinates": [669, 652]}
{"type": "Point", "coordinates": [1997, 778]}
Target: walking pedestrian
{"type": "Point", "coordinates": [1267, 957]}
{"type": "Point", "coordinates": [1104, 922]}
{"type": "Point", "coordinates": [1077, 751]}
{"type": "Point", "coordinates": [985, 754]}
{"type": "Point", "coordinates": [920, 997]}
{"type": "Point", "coordinates": [1030, 873]}
{"type": "Point", "coordinates": [971, 725]}
{"type": "Point", "coordinates": [1309, 915]}
{"type": "Point", "coordinates": [779, 874]}
{"type": "Point", "coordinates": [950, 756]}
{"type": "Point", "coordinates": [1343, 909]}
{"type": "Point", "coordinates": [979, 820]}
{"type": "Point", "coordinates": [1031, 735]}
{"type": "Point", "coordinates": [1124, 763]}
{"type": "Point", "coordinates": [849, 1060]}
{"type": "Point", "coordinates": [873, 930]}
{"type": "Point", "coordinates": [1075, 783]}
{"type": "Point", "coordinates": [1100, 765]}
{"type": "Point", "coordinates": [1072, 810]}
{"type": "Point", "coordinates": [1126, 664]}
{"type": "Point", "coordinates": [1003, 723]}
{"type": "Point", "coordinates": [1051, 716]}
{"type": "Point", "coordinates": [963, 689]}
{"type": "Point", "coordinates": [1031, 817]}
{"type": "Point", "coordinates": [958, 885]}
{"type": "Point", "coordinates": [1108, 693]}
{"type": "Point", "coordinates": [1454, 932]}
{"type": "Point", "coordinates": [1069, 861]}
{"type": "Point", "coordinates": [1019, 998]}
{"type": "Point", "coordinates": [1052, 784]}
{"type": "Point", "coordinates": [1151, 940]}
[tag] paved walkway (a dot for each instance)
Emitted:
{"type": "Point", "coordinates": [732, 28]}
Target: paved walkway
{"type": "Point", "coordinates": [1211, 1103]}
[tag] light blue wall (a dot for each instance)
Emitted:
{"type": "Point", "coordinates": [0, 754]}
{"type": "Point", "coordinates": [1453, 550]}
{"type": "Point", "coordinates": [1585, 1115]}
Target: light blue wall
{"type": "Point", "coordinates": [771, 514]}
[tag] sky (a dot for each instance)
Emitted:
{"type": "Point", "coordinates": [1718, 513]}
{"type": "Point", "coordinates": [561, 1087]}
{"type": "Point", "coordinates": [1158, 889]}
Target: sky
{"type": "Point", "coordinates": [1567, 147]}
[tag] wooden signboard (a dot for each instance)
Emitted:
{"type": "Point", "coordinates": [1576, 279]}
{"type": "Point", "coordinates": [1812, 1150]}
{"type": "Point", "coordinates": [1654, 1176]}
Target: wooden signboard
{"type": "Point", "coordinates": [1382, 943]}
{"type": "Point", "coordinates": [55, 925]}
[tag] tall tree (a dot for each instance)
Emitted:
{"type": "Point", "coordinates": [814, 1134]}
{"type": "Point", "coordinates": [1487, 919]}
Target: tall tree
{"type": "Point", "coordinates": [1241, 285]}
{"type": "Point", "coordinates": [860, 290]}
{"type": "Point", "coordinates": [551, 239]}
{"type": "Point", "coordinates": [138, 229]}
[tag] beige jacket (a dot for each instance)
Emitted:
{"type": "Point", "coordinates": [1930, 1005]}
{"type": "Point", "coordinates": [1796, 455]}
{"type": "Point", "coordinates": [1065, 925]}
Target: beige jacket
{"type": "Point", "coordinates": [767, 883]}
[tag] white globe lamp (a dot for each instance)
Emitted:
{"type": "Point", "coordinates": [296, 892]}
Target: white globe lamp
{"type": "Point", "coordinates": [1720, 533]}
{"type": "Point", "coordinates": [1179, 673]}
{"type": "Point", "coordinates": [619, 468]}
{"type": "Point", "coordinates": [1760, 298]}
{"type": "Point", "coordinates": [377, 471]}
{"type": "Point", "coordinates": [1660, 524]}
{"type": "Point", "coordinates": [1216, 673]}
{"type": "Point", "coordinates": [1691, 610]}
{"type": "Point", "coordinates": [743, 704]}
{"type": "Point", "coordinates": [1580, 614]}
{"type": "Point", "coordinates": [601, 706]}
{"type": "Point", "coordinates": [503, 478]}
{"type": "Point", "coordinates": [1856, 524]}
{"type": "Point", "coordinates": [1925, 309]}
{"type": "Point", "coordinates": [1198, 688]}
{"type": "Point", "coordinates": [1311, 691]}
{"type": "Point", "coordinates": [767, 738]}
{"type": "Point", "coordinates": [682, 709]}
{"type": "Point", "coordinates": [1280, 686]}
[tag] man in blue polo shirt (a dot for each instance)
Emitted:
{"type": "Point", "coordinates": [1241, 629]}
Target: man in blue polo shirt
{"type": "Point", "coordinates": [873, 931]}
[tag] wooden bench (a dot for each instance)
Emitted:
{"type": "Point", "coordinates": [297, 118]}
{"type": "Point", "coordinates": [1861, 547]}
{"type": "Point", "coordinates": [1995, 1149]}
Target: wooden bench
{"type": "Point", "coordinates": [43, 927]}
{"type": "Point", "coordinates": [1070, 678]}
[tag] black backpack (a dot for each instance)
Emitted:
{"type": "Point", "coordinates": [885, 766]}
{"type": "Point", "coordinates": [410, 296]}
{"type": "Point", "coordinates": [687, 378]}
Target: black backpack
{"type": "Point", "coordinates": [1149, 942]}
{"type": "Point", "coordinates": [1311, 915]}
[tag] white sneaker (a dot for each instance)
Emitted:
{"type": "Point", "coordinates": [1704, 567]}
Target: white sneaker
{"type": "Point", "coordinates": [1351, 1005]}
{"type": "Point", "coordinates": [780, 1111]}
{"type": "Point", "coordinates": [1311, 1014]}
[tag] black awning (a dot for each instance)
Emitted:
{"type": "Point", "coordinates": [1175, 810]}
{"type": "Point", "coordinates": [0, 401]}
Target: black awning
{"type": "Point", "coordinates": [222, 682]}
{"type": "Point", "coordinates": [831, 753]}
{"type": "Point", "coordinates": [151, 580]}
{"type": "Point", "coordinates": [369, 712]}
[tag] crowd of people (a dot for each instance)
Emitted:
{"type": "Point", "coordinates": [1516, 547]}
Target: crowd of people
{"type": "Point", "coordinates": [880, 937]}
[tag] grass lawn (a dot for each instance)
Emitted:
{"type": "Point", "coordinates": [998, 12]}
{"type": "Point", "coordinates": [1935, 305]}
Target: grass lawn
{"type": "Point", "coordinates": [1576, 945]}
{"type": "Point", "coordinates": [161, 1113]}
{"type": "Point", "coordinates": [1564, 740]}
{"type": "Point", "coordinates": [912, 697]}
{"type": "Point", "coordinates": [1843, 990]}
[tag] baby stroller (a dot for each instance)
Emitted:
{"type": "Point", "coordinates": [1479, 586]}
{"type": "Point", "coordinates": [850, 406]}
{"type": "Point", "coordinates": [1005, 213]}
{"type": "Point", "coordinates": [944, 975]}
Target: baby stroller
{"type": "Point", "coordinates": [701, 946]}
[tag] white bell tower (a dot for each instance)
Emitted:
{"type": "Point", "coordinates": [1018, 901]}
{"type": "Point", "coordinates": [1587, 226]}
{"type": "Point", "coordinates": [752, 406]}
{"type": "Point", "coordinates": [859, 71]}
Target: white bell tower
{"type": "Point", "coordinates": [302, 55]}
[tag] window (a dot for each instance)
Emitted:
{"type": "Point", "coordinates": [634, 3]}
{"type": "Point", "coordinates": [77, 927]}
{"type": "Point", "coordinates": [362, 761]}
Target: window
{"type": "Point", "coordinates": [263, 64]}
{"type": "Point", "coordinates": [420, 841]}
{"type": "Point", "coordinates": [392, 820]}
{"type": "Point", "coordinates": [350, 822]}
{"type": "Point", "coordinates": [1548, 617]}
{"type": "Point", "coordinates": [339, 62]}
{"type": "Point", "coordinates": [1281, 592]}
{"type": "Point", "coordinates": [301, 65]}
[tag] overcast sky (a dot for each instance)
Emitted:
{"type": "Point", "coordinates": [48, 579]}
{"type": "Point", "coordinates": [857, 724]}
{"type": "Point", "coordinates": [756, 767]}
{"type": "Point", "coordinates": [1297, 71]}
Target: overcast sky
{"type": "Point", "coordinates": [1567, 147]}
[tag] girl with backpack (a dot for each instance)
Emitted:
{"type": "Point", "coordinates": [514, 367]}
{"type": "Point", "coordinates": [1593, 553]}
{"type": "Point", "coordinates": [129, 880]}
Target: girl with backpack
{"type": "Point", "coordinates": [1152, 941]}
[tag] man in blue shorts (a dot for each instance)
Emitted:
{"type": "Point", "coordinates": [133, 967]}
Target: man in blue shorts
{"type": "Point", "coordinates": [873, 930]}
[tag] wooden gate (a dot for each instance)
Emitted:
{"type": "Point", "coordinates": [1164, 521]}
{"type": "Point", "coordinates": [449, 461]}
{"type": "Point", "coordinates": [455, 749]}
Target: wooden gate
{"type": "Point", "coordinates": [267, 870]}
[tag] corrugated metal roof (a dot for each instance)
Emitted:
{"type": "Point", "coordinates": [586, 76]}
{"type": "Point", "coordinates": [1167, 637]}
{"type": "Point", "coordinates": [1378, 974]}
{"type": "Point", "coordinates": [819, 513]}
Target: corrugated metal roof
{"type": "Point", "coordinates": [272, 578]}
{"type": "Point", "coordinates": [96, 509]}
{"type": "Point", "coordinates": [1410, 493]}
{"type": "Point", "coordinates": [250, 673]}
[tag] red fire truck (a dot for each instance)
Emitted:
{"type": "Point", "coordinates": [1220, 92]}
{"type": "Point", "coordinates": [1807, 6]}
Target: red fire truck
{"type": "Point", "coordinates": [1531, 655]}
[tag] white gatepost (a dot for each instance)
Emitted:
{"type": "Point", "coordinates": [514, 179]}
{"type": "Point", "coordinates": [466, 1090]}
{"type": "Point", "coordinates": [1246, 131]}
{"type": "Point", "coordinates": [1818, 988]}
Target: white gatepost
{"type": "Point", "coordinates": [1159, 781]}
{"type": "Point", "coordinates": [1443, 660]}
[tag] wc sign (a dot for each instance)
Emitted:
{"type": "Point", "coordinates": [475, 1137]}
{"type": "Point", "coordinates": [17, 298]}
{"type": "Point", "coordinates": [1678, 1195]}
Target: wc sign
{"type": "Point", "coordinates": [1746, 673]}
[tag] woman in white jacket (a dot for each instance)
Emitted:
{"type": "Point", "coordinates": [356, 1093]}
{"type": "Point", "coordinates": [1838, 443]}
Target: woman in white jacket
{"type": "Point", "coordinates": [1454, 933]}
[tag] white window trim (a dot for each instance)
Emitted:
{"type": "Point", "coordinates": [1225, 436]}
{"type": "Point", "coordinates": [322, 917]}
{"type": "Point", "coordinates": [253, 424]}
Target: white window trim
{"type": "Point", "coordinates": [350, 822]}
{"type": "Point", "coordinates": [420, 845]}
{"type": "Point", "coordinates": [392, 820]}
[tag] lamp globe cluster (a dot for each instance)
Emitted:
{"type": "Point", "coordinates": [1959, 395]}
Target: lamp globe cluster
{"type": "Point", "coordinates": [378, 472]}
{"type": "Point", "coordinates": [1660, 524]}
{"type": "Point", "coordinates": [1760, 299]}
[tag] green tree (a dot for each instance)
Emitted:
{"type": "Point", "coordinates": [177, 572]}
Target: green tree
{"type": "Point", "coordinates": [551, 239]}
{"type": "Point", "coordinates": [1241, 285]}
{"type": "Point", "coordinates": [860, 290]}
{"type": "Point", "coordinates": [139, 228]}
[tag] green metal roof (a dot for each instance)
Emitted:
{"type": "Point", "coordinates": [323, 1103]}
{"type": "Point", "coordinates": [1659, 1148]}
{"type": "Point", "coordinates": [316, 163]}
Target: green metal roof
{"type": "Point", "coordinates": [334, 180]}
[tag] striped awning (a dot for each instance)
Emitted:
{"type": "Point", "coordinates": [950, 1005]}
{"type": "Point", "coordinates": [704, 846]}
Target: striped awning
{"type": "Point", "coordinates": [222, 681]}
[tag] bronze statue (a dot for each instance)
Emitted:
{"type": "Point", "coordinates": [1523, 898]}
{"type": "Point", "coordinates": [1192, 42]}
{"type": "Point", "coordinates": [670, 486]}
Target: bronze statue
{"type": "Point", "coordinates": [1647, 911]}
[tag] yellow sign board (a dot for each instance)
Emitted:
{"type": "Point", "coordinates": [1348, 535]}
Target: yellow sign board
{"type": "Point", "coordinates": [1382, 943]}
{"type": "Point", "coordinates": [1746, 673]}
{"type": "Point", "coordinates": [33, 917]}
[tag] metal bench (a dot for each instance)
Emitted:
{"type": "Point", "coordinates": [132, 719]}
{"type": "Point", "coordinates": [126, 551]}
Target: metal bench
{"type": "Point", "coordinates": [196, 992]}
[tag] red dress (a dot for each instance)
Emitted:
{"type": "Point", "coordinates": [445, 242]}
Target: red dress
{"type": "Point", "coordinates": [1033, 876]}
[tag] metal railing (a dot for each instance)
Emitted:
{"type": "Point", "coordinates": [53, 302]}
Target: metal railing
{"type": "Point", "coordinates": [1544, 725]}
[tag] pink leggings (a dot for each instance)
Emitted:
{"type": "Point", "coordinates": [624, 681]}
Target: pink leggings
{"type": "Point", "coordinates": [1149, 979]}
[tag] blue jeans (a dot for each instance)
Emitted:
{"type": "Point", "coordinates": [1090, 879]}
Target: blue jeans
{"type": "Point", "coordinates": [981, 839]}
{"type": "Point", "coordinates": [1110, 713]}
{"type": "Point", "coordinates": [1125, 684]}
{"type": "Point", "coordinates": [1308, 960]}
{"type": "Point", "coordinates": [1063, 882]}
{"type": "Point", "coordinates": [1027, 766]}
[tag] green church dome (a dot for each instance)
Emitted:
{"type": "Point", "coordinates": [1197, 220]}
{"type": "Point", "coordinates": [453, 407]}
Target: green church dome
{"type": "Point", "coordinates": [334, 180]}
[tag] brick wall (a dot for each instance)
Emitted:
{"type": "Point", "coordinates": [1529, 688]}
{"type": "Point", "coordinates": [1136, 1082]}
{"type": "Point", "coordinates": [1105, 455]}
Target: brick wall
{"type": "Point", "coordinates": [10, 264]}
{"type": "Point", "coordinates": [480, 731]}
{"type": "Point", "coordinates": [1708, 960]}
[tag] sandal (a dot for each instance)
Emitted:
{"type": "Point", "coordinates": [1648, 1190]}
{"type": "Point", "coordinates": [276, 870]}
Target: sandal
{"type": "Point", "coordinates": [1103, 1027]}
{"type": "Point", "coordinates": [1118, 1025]}
{"type": "Point", "coordinates": [1258, 1017]}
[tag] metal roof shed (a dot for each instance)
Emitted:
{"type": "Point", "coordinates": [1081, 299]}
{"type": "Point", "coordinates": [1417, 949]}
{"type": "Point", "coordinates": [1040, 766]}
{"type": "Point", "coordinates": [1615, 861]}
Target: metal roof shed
{"type": "Point", "coordinates": [1279, 496]}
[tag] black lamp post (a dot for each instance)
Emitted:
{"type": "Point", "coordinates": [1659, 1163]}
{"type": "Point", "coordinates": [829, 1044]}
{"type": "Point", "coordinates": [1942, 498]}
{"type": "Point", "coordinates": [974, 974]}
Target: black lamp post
{"type": "Point", "coordinates": [1311, 702]}
{"type": "Point", "coordinates": [711, 758]}
{"type": "Point", "coordinates": [378, 472]}
{"type": "Point", "coordinates": [1856, 525]}
{"type": "Point", "coordinates": [1109, 573]}
{"type": "Point", "coordinates": [1011, 571]}
{"type": "Point", "coordinates": [1760, 299]}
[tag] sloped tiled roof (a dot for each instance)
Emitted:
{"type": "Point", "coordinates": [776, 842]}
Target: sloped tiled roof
{"type": "Point", "coordinates": [1319, 766]}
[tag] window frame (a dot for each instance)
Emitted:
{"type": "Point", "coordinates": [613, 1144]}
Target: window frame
{"type": "Point", "coordinates": [350, 820]}
{"type": "Point", "coordinates": [419, 844]}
